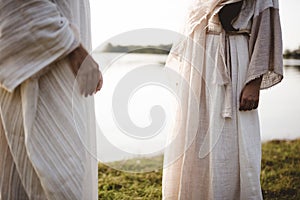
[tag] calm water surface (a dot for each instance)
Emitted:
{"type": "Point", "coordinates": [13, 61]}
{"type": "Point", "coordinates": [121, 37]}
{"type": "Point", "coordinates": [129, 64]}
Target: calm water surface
{"type": "Point", "coordinates": [279, 107]}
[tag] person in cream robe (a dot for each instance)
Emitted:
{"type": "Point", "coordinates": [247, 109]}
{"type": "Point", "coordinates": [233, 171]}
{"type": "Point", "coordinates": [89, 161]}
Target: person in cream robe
{"type": "Point", "coordinates": [214, 150]}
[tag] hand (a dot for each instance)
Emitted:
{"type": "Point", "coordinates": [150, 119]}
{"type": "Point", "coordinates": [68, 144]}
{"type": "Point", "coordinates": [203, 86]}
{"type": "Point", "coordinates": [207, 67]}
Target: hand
{"type": "Point", "coordinates": [86, 70]}
{"type": "Point", "coordinates": [250, 95]}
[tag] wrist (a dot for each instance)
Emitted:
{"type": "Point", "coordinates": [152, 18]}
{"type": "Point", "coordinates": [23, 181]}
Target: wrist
{"type": "Point", "coordinates": [256, 81]}
{"type": "Point", "coordinates": [77, 57]}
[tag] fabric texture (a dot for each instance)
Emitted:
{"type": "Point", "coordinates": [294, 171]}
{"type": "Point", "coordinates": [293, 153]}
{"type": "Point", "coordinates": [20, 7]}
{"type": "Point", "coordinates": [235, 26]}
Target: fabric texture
{"type": "Point", "coordinates": [213, 151]}
{"type": "Point", "coordinates": [47, 128]}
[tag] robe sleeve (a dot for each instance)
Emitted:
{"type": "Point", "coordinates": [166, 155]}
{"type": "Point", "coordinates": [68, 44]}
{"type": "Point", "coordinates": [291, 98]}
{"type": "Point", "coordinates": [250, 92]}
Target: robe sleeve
{"type": "Point", "coordinates": [33, 34]}
{"type": "Point", "coordinates": [265, 48]}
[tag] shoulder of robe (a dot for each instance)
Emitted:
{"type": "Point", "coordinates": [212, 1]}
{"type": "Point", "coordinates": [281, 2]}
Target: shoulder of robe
{"type": "Point", "coordinates": [261, 5]}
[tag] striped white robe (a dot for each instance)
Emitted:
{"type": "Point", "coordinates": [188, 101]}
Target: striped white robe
{"type": "Point", "coordinates": [47, 129]}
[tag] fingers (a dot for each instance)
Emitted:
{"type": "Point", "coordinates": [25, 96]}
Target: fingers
{"type": "Point", "coordinates": [91, 83]}
{"type": "Point", "coordinates": [247, 104]}
{"type": "Point", "coordinates": [94, 83]}
{"type": "Point", "coordinates": [89, 78]}
{"type": "Point", "coordinates": [100, 83]}
{"type": "Point", "coordinates": [256, 104]}
{"type": "Point", "coordinates": [249, 98]}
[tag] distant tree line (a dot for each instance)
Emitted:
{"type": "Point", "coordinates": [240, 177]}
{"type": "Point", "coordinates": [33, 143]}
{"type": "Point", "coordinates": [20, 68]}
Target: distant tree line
{"type": "Point", "coordinates": [292, 54]}
{"type": "Point", "coordinates": [150, 49]}
{"type": "Point", "coordinates": [165, 49]}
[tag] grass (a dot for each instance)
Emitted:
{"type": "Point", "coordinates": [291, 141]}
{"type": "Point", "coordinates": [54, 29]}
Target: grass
{"type": "Point", "coordinates": [280, 175]}
{"type": "Point", "coordinates": [116, 184]}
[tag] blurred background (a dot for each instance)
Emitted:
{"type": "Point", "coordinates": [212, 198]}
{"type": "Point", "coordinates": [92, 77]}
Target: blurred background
{"type": "Point", "coordinates": [279, 106]}
{"type": "Point", "coordinates": [110, 18]}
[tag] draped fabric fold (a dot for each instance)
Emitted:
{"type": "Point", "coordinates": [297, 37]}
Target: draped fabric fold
{"type": "Point", "coordinates": [47, 131]}
{"type": "Point", "coordinates": [202, 17]}
{"type": "Point", "coordinates": [13, 133]}
{"type": "Point", "coordinates": [265, 47]}
{"type": "Point", "coordinates": [31, 39]}
{"type": "Point", "coordinates": [265, 34]}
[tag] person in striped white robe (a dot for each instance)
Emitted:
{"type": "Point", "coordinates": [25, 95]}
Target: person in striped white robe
{"type": "Point", "coordinates": [47, 124]}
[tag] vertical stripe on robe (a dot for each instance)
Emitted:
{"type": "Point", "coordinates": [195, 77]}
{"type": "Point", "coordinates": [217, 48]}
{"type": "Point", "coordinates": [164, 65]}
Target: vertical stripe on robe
{"type": "Point", "coordinates": [47, 127]}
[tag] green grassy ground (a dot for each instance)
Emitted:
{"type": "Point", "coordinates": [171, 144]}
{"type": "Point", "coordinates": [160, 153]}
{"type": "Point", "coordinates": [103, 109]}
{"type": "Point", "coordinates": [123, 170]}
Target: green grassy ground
{"type": "Point", "coordinates": [280, 175]}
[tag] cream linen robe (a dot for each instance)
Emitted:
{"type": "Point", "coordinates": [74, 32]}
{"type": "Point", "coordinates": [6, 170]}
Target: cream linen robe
{"type": "Point", "coordinates": [214, 150]}
{"type": "Point", "coordinates": [47, 130]}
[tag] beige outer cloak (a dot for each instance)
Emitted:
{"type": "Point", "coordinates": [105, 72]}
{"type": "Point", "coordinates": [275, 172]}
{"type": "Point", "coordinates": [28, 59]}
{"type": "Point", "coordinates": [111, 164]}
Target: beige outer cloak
{"type": "Point", "coordinates": [47, 129]}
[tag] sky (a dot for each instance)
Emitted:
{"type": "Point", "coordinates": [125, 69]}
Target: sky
{"type": "Point", "coordinates": [113, 17]}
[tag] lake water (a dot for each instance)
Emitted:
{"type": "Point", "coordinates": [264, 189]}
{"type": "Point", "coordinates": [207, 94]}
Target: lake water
{"type": "Point", "coordinates": [279, 106]}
